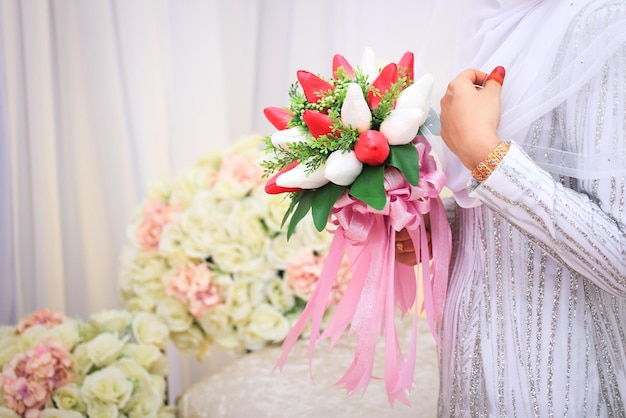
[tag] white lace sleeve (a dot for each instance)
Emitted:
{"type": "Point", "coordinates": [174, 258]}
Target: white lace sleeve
{"type": "Point", "coordinates": [568, 224]}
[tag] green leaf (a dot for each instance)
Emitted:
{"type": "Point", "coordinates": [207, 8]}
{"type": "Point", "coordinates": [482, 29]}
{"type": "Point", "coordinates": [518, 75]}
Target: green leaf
{"type": "Point", "coordinates": [304, 201]}
{"type": "Point", "coordinates": [325, 198]}
{"type": "Point", "coordinates": [406, 159]}
{"type": "Point", "coordinates": [369, 187]}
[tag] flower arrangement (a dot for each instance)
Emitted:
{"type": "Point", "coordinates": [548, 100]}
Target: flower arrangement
{"type": "Point", "coordinates": [111, 365]}
{"type": "Point", "coordinates": [352, 150]}
{"type": "Point", "coordinates": [206, 253]}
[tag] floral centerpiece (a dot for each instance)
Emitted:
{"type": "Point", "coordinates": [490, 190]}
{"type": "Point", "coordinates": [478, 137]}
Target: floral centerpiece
{"type": "Point", "coordinates": [206, 253]}
{"type": "Point", "coordinates": [111, 365]}
{"type": "Point", "coordinates": [351, 149]}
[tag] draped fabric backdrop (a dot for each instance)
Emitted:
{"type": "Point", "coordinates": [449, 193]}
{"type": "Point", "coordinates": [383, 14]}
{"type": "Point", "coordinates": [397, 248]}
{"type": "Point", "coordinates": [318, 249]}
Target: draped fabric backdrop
{"type": "Point", "coordinates": [98, 98]}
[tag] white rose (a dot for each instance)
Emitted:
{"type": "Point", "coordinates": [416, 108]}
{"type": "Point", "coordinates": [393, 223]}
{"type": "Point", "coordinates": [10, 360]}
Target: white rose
{"type": "Point", "coordinates": [139, 304]}
{"type": "Point", "coordinates": [167, 412]}
{"type": "Point", "coordinates": [82, 360]}
{"type": "Point", "coordinates": [266, 324]}
{"type": "Point", "coordinates": [143, 405]}
{"type": "Point", "coordinates": [230, 343]}
{"type": "Point", "coordinates": [6, 331]}
{"type": "Point", "coordinates": [280, 295]}
{"type": "Point", "coordinates": [171, 244]}
{"type": "Point", "coordinates": [194, 179]}
{"type": "Point", "coordinates": [108, 385]}
{"type": "Point", "coordinates": [192, 340]}
{"type": "Point", "coordinates": [238, 301]}
{"type": "Point", "coordinates": [102, 410]}
{"type": "Point", "coordinates": [69, 398]}
{"type": "Point", "coordinates": [105, 348]}
{"type": "Point", "coordinates": [149, 329]}
{"type": "Point", "coordinates": [133, 372]}
{"type": "Point", "coordinates": [248, 220]}
{"type": "Point", "coordinates": [230, 188]}
{"type": "Point", "coordinates": [236, 257]}
{"type": "Point", "coordinates": [113, 321]}
{"type": "Point", "coordinates": [142, 266]}
{"type": "Point", "coordinates": [307, 235]}
{"type": "Point", "coordinates": [147, 356]}
{"type": "Point", "coordinates": [281, 252]}
{"type": "Point", "coordinates": [175, 314]}
{"type": "Point", "coordinates": [273, 207]}
{"type": "Point", "coordinates": [31, 337]}
{"type": "Point", "coordinates": [159, 190]}
{"type": "Point", "coordinates": [66, 333]}
{"type": "Point", "coordinates": [216, 321]}
{"type": "Point", "coordinates": [59, 413]}
{"type": "Point", "coordinates": [9, 347]}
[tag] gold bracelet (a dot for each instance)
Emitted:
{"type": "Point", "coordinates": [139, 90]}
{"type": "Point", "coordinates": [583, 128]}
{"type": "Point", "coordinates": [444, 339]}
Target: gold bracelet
{"type": "Point", "coordinates": [489, 164]}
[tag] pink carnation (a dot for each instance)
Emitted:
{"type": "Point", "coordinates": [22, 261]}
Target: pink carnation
{"type": "Point", "coordinates": [155, 216]}
{"type": "Point", "coordinates": [29, 378]}
{"type": "Point", "coordinates": [192, 285]}
{"type": "Point", "coordinates": [45, 317]}
{"type": "Point", "coordinates": [304, 272]}
{"type": "Point", "coordinates": [242, 170]}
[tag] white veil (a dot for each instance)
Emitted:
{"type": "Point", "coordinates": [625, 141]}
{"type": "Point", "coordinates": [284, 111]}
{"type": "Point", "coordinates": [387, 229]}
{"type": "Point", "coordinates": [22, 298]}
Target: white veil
{"type": "Point", "coordinates": [547, 59]}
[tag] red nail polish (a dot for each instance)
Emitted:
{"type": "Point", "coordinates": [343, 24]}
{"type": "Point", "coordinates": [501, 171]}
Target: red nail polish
{"type": "Point", "coordinates": [497, 75]}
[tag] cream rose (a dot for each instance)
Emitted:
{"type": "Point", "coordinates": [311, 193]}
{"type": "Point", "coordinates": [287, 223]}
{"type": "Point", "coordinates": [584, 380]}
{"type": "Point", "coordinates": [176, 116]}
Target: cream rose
{"type": "Point", "coordinates": [149, 329]}
{"type": "Point", "coordinates": [266, 324]}
{"type": "Point", "coordinates": [280, 295]}
{"type": "Point", "coordinates": [238, 301]}
{"type": "Point", "coordinates": [102, 410]}
{"type": "Point", "coordinates": [8, 348]}
{"type": "Point", "coordinates": [167, 412]}
{"type": "Point", "coordinates": [216, 321]}
{"type": "Point", "coordinates": [82, 361]}
{"type": "Point", "coordinates": [105, 348]}
{"type": "Point", "coordinates": [69, 398]}
{"type": "Point", "coordinates": [147, 356]}
{"type": "Point", "coordinates": [236, 257]}
{"type": "Point", "coordinates": [59, 413]}
{"type": "Point", "coordinates": [192, 340]}
{"type": "Point", "coordinates": [66, 333]}
{"type": "Point", "coordinates": [170, 245]}
{"type": "Point", "coordinates": [174, 314]}
{"type": "Point", "coordinates": [144, 405]}
{"type": "Point", "coordinates": [281, 252]}
{"type": "Point", "coordinates": [113, 321]}
{"type": "Point", "coordinates": [133, 372]}
{"type": "Point", "coordinates": [108, 386]}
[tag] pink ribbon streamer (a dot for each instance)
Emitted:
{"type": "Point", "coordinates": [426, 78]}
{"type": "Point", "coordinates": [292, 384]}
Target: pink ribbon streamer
{"type": "Point", "coordinates": [380, 285]}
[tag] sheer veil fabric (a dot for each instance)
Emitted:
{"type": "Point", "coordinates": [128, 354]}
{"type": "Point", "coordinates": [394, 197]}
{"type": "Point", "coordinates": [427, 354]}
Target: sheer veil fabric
{"type": "Point", "coordinates": [524, 36]}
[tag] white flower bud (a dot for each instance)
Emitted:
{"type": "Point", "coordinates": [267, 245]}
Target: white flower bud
{"type": "Point", "coordinates": [343, 168]}
{"type": "Point", "coordinates": [417, 95]}
{"type": "Point", "coordinates": [355, 112]}
{"type": "Point", "coordinates": [402, 125]}
{"type": "Point", "coordinates": [299, 177]}
{"type": "Point", "coordinates": [368, 64]}
{"type": "Point", "coordinates": [297, 134]}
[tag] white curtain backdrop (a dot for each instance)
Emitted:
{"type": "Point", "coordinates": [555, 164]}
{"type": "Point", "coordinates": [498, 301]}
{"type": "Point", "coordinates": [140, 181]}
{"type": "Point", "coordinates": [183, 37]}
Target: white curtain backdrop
{"type": "Point", "coordinates": [100, 97]}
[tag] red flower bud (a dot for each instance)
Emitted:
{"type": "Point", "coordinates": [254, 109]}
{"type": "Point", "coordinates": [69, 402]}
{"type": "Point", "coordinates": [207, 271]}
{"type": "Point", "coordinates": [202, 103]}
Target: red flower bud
{"type": "Point", "coordinates": [340, 61]}
{"type": "Point", "coordinates": [371, 148]}
{"type": "Point", "coordinates": [278, 116]}
{"type": "Point", "coordinates": [313, 86]}
{"type": "Point", "coordinates": [385, 79]}
{"type": "Point", "coordinates": [318, 123]}
{"type": "Point", "coordinates": [405, 66]}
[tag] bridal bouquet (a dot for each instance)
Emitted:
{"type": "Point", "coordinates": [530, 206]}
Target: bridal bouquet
{"type": "Point", "coordinates": [351, 149]}
{"type": "Point", "coordinates": [207, 255]}
{"type": "Point", "coordinates": [111, 365]}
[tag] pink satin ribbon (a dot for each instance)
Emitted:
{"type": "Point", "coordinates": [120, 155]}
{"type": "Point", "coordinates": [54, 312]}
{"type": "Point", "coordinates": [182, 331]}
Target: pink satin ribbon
{"type": "Point", "coordinates": [380, 285]}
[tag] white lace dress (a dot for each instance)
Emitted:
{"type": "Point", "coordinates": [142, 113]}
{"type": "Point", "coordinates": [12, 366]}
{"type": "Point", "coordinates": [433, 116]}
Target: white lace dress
{"type": "Point", "coordinates": [535, 319]}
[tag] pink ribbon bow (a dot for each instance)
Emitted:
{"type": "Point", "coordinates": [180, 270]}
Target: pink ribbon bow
{"type": "Point", "coordinates": [379, 284]}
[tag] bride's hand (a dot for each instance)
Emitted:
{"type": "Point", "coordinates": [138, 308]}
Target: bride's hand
{"type": "Point", "coordinates": [405, 251]}
{"type": "Point", "coordinates": [470, 115]}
